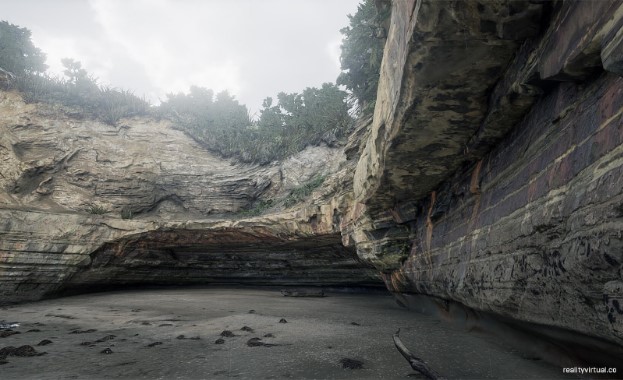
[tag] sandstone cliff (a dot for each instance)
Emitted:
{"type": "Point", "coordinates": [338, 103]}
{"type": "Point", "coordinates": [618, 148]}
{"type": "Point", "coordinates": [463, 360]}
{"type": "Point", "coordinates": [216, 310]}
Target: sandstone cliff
{"type": "Point", "coordinates": [489, 180]}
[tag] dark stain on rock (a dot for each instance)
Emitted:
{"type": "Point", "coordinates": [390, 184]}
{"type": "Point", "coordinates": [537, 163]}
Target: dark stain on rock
{"type": "Point", "coordinates": [610, 260]}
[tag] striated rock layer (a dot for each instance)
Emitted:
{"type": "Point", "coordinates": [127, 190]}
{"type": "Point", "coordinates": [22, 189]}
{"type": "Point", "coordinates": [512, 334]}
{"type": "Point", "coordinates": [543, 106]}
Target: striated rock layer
{"type": "Point", "coordinates": [488, 183]}
{"type": "Point", "coordinates": [493, 173]}
{"type": "Point", "coordinates": [181, 206]}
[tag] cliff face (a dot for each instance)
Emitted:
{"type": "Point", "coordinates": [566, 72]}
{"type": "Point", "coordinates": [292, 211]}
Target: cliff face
{"type": "Point", "coordinates": [184, 203]}
{"type": "Point", "coordinates": [492, 175]}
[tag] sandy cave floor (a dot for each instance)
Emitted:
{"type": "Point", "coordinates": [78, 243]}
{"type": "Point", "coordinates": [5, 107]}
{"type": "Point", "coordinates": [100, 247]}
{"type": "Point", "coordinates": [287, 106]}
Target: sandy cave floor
{"type": "Point", "coordinates": [143, 329]}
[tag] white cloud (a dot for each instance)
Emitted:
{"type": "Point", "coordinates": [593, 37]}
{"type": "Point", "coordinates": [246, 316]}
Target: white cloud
{"type": "Point", "coordinates": [252, 48]}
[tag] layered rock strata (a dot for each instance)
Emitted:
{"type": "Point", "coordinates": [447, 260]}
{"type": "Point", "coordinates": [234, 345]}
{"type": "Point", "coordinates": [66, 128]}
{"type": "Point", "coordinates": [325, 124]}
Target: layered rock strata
{"type": "Point", "coordinates": [492, 176]}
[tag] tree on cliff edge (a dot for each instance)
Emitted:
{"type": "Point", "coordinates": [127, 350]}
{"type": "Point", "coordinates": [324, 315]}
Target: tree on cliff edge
{"type": "Point", "coordinates": [17, 52]}
{"type": "Point", "coordinates": [362, 51]}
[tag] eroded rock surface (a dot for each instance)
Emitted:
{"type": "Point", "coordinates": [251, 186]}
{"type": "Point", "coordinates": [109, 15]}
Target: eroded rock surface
{"type": "Point", "coordinates": [492, 173]}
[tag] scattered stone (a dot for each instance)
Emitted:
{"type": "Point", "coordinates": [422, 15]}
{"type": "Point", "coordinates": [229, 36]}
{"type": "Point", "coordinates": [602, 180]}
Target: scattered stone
{"type": "Point", "coordinates": [83, 331]}
{"type": "Point", "coordinates": [44, 342]}
{"type": "Point", "coordinates": [219, 341]}
{"type": "Point", "coordinates": [351, 363]}
{"type": "Point", "coordinates": [106, 351]}
{"type": "Point", "coordinates": [145, 323]}
{"type": "Point", "coordinates": [269, 335]}
{"type": "Point", "coordinates": [180, 337]}
{"type": "Point", "coordinates": [256, 342]}
{"type": "Point", "coordinates": [251, 311]}
{"type": "Point", "coordinates": [34, 330]}
{"type": "Point", "coordinates": [60, 316]}
{"type": "Point", "coordinates": [227, 334]}
{"type": "Point", "coordinates": [154, 344]}
{"type": "Point", "coordinates": [106, 338]}
{"type": "Point", "coordinates": [247, 328]}
{"type": "Point", "coordinates": [283, 320]}
{"type": "Point", "coordinates": [5, 333]}
{"type": "Point", "coordinates": [19, 351]}
{"type": "Point", "coordinates": [355, 324]}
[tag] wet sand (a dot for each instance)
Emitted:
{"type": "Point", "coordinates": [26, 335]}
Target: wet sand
{"type": "Point", "coordinates": [171, 334]}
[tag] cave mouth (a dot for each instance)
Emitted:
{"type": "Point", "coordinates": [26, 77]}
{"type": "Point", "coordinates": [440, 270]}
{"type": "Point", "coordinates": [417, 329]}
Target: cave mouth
{"type": "Point", "coordinates": [253, 257]}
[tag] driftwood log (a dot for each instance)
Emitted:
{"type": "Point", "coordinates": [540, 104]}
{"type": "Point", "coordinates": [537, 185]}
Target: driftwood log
{"type": "Point", "coordinates": [415, 362]}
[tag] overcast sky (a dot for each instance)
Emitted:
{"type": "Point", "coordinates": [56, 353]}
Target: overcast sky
{"type": "Point", "coordinates": [253, 48]}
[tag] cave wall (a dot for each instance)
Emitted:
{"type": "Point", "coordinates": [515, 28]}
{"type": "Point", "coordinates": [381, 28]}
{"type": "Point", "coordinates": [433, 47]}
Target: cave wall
{"type": "Point", "coordinates": [492, 175]}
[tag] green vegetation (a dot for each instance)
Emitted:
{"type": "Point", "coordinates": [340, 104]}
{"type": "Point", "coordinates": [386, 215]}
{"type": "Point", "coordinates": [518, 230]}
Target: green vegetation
{"type": "Point", "coordinates": [224, 126]}
{"type": "Point", "coordinates": [286, 125]}
{"type": "Point", "coordinates": [300, 193]}
{"type": "Point", "coordinates": [97, 210]}
{"type": "Point", "coordinates": [362, 52]}
{"type": "Point", "coordinates": [81, 90]}
{"type": "Point", "coordinates": [18, 55]}
{"type": "Point", "coordinates": [126, 213]}
{"type": "Point", "coordinates": [258, 209]}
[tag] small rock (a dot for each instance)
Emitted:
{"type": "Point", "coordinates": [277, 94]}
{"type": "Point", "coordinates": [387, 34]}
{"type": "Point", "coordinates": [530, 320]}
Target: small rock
{"type": "Point", "coordinates": [154, 344]}
{"type": "Point", "coordinates": [19, 351]}
{"type": "Point", "coordinates": [136, 310]}
{"type": "Point", "coordinates": [227, 334]}
{"type": "Point", "coordinates": [247, 328]}
{"type": "Point", "coordinates": [106, 351]}
{"type": "Point", "coordinates": [219, 341]}
{"type": "Point", "coordinates": [86, 343]}
{"type": "Point", "coordinates": [165, 324]}
{"type": "Point", "coordinates": [44, 342]}
{"type": "Point", "coordinates": [5, 333]}
{"type": "Point", "coordinates": [251, 311]}
{"type": "Point", "coordinates": [145, 323]}
{"type": "Point", "coordinates": [351, 363]}
{"type": "Point", "coordinates": [283, 320]}
{"type": "Point", "coordinates": [269, 335]}
{"type": "Point", "coordinates": [83, 331]}
{"type": "Point", "coordinates": [34, 330]}
{"type": "Point", "coordinates": [355, 324]}
{"type": "Point", "coordinates": [254, 342]}
{"type": "Point", "coordinates": [104, 339]}
{"type": "Point", "coordinates": [180, 337]}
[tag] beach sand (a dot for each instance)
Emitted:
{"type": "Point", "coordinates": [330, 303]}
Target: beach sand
{"type": "Point", "coordinates": [171, 333]}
